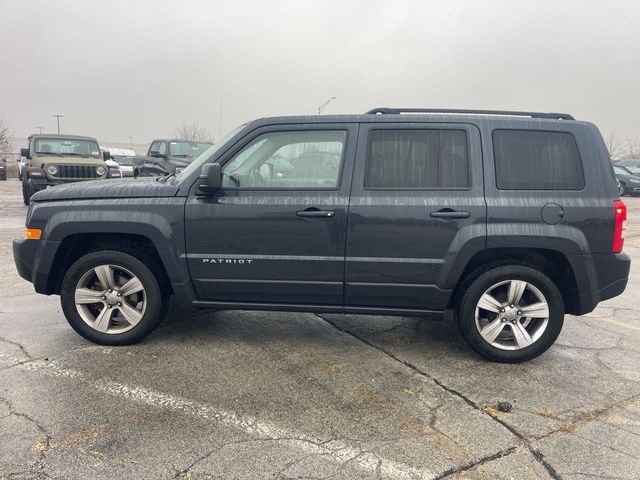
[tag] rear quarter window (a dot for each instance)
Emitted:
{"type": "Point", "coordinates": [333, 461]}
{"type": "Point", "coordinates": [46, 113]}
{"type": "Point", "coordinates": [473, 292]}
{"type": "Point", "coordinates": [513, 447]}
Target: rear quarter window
{"type": "Point", "coordinates": [537, 160]}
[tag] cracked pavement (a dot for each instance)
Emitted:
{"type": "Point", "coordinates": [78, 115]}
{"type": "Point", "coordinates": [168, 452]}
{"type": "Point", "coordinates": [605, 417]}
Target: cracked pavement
{"type": "Point", "coordinates": [291, 395]}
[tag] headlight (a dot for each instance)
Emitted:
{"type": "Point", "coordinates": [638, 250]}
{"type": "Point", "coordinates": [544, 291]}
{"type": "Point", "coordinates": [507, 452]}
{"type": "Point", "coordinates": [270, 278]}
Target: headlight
{"type": "Point", "coordinates": [100, 170]}
{"type": "Point", "coordinates": [52, 169]}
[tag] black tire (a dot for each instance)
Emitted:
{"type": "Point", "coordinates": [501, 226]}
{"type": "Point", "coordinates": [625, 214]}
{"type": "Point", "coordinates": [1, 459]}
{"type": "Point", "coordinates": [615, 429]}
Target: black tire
{"type": "Point", "coordinates": [26, 191]}
{"type": "Point", "coordinates": [149, 275]}
{"type": "Point", "coordinates": [623, 189]}
{"type": "Point", "coordinates": [495, 275]}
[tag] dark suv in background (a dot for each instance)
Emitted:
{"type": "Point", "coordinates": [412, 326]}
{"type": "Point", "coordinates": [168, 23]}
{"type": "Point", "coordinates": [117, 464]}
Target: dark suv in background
{"type": "Point", "coordinates": [510, 219]}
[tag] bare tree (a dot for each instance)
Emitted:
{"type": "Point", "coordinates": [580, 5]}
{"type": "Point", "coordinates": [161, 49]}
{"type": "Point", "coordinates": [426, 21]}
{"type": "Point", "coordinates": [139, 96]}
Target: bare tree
{"type": "Point", "coordinates": [632, 148]}
{"type": "Point", "coordinates": [615, 147]}
{"type": "Point", "coordinates": [194, 131]}
{"type": "Point", "coordinates": [6, 137]}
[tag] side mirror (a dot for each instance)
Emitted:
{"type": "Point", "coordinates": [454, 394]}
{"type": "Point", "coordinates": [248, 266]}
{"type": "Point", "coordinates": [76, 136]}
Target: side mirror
{"type": "Point", "coordinates": [106, 155]}
{"type": "Point", "coordinates": [211, 177]}
{"type": "Point", "coordinates": [156, 153]}
{"type": "Point", "coordinates": [24, 152]}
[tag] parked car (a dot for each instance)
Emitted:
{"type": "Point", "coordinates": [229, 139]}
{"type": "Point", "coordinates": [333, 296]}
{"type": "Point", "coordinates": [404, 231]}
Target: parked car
{"type": "Point", "coordinates": [620, 189]}
{"type": "Point", "coordinates": [56, 159]}
{"type": "Point", "coordinates": [509, 219]}
{"type": "Point", "coordinates": [165, 156]}
{"type": "Point", "coordinates": [122, 158]}
{"type": "Point", "coordinates": [633, 165]}
{"type": "Point", "coordinates": [3, 169]}
{"type": "Point", "coordinates": [629, 183]}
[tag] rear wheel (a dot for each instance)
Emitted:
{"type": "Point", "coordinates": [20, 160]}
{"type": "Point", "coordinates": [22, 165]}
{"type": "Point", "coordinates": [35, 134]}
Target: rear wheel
{"type": "Point", "coordinates": [112, 298]}
{"type": "Point", "coordinates": [511, 313]}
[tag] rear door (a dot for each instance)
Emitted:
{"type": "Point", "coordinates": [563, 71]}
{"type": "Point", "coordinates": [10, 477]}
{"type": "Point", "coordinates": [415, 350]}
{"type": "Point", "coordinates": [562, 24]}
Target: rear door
{"type": "Point", "coordinates": [417, 203]}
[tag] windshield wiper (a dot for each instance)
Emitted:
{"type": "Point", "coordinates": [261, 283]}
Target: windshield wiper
{"type": "Point", "coordinates": [73, 154]}
{"type": "Point", "coordinates": [165, 178]}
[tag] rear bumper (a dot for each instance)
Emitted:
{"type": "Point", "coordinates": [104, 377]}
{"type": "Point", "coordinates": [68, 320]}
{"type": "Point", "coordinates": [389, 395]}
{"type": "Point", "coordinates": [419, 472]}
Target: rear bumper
{"type": "Point", "coordinates": [599, 276]}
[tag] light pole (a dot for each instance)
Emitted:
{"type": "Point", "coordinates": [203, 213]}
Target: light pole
{"type": "Point", "coordinates": [324, 105]}
{"type": "Point", "coordinates": [40, 128]}
{"type": "Point", "coordinates": [58, 117]}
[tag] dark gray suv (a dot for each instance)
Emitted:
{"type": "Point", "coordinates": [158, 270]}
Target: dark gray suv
{"type": "Point", "coordinates": [509, 219]}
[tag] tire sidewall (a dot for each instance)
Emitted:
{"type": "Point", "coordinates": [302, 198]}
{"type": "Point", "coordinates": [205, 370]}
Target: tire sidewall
{"type": "Point", "coordinates": [466, 313]}
{"type": "Point", "coordinates": [153, 310]}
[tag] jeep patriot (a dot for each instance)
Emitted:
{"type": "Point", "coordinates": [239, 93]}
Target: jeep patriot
{"type": "Point", "coordinates": [509, 219]}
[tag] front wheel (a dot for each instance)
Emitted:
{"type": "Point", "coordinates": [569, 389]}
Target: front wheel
{"type": "Point", "coordinates": [27, 191]}
{"type": "Point", "coordinates": [623, 190]}
{"type": "Point", "coordinates": [111, 298]}
{"type": "Point", "coordinates": [511, 314]}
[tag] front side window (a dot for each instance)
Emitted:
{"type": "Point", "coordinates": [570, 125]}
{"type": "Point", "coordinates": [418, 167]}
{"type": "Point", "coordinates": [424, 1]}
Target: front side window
{"type": "Point", "coordinates": [162, 148]}
{"type": "Point", "coordinates": [66, 147]}
{"type": "Point", "coordinates": [537, 160]}
{"type": "Point", "coordinates": [288, 160]}
{"type": "Point", "coordinates": [417, 159]}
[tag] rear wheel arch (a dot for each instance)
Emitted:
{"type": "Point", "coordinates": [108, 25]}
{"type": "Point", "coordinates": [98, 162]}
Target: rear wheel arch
{"type": "Point", "coordinates": [550, 262]}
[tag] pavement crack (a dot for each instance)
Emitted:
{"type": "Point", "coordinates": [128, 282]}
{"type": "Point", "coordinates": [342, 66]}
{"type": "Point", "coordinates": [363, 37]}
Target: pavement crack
{"type": "Point", "coordinates": [469, 466]}
{"type": "Point", "coordinates": [21, 347]}
{"type": "Point", "coordinates": [537, 455]}
{"type": "Point", "coordinates": [42, 448]}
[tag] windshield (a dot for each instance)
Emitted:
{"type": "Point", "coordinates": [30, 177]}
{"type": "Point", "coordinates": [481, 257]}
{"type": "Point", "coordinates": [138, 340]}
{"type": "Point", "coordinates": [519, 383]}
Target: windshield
{"type": "Point", "coordinates": [123, 160]}
{"type": "Point", "coordinates": [66, 147]}
{"type": "Point", "coordinates": [187, 149]}
{"type": "Point", "coordinates": [206, 155]}
{"type": "Point", "coordinates": [635, 169]}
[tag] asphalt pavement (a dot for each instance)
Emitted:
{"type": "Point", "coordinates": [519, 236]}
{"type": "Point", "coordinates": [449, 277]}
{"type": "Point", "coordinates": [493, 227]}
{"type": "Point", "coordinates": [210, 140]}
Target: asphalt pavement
{"type": "Point", "coordinates": [229, 395]}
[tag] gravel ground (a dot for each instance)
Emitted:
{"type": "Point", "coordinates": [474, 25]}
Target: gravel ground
{"type": "Point", "coordinates": [292, 395]}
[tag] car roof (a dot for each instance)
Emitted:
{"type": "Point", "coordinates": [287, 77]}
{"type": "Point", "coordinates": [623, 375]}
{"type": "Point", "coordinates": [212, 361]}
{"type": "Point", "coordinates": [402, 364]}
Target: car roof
{"type": "Point", "coordinates": [437, 117]}
{"type": "Point", "coordinates": [60, 136]}
{"type": "Point", "coordinates": [181, 140]}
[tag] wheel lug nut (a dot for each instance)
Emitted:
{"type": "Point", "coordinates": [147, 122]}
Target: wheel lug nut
{"type": "Point", "coordinates": [108, 306]}
{"type": "Point", "coordinates": [119, 294]}
{"type": "Point", "coordinates": [104, 298]}
{"type": "Point", "coordinates": [519, 312]}
{"type": "Point", "coordinates": [513, 321]}
{"type": "Point", "coordinates": [504, 319]}
{"type": "Point", "coordinates": [502, 310]}
{"type": "Point", "coordinates": [119, 304]}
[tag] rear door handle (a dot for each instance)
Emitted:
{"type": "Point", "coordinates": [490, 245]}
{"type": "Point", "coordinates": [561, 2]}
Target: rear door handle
{"type": "Point", "coordinates": [315, 212]}
{"type": "Point", "coordinates": [448, 213]}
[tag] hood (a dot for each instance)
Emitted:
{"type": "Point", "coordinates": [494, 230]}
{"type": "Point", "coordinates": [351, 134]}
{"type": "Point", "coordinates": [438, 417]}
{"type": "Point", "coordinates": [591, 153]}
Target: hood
{"type": "Point", "coordinates": [110, 188]}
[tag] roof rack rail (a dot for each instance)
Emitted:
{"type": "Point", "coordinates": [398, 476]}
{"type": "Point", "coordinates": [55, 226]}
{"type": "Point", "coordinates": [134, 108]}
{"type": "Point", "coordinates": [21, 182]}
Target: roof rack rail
{"type": "Point", "coordinates": [556, 116]}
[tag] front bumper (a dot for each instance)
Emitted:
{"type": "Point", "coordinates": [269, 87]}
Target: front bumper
{"type": "Point", "coordinates": [33, 259]}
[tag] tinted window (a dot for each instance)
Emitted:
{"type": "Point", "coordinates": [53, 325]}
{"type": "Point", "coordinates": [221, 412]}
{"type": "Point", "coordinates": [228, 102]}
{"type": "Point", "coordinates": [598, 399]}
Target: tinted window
{"type": "Point", "coordinates": [536, 160]}
{"type": "Point", "coordinates": [417, 159]}
{"type": "Point", "coordinates": [299, 159]}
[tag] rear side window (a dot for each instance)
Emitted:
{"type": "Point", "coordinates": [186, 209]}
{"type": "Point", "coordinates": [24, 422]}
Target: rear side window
{"type": "Point", "coordinates": [537, 160]}
{"type": "Point", "coordinates": [417, 159]}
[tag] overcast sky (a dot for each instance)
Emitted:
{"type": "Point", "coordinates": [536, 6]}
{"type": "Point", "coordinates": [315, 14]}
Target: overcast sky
{"type": "Point", "coordinates": [140, 67]}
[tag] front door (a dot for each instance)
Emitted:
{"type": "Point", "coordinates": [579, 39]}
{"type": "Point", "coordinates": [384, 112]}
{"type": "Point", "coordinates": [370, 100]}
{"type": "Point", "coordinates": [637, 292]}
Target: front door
{"type": "Point", "coordinates": [275, 232]}
{"type": "Point", "coordinates": [417, 205]}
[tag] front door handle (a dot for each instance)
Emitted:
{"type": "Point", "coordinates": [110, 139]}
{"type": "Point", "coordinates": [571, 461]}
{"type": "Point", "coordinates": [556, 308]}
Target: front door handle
{"type": "Point", "coordinates": [315, 212]}
{"type": "Point", "coordinates": [449, 213]}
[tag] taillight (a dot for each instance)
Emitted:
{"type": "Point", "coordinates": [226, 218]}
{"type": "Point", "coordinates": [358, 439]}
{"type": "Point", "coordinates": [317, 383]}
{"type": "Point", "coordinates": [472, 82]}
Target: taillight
{"type": "Point", "coordinates": [621, 219]}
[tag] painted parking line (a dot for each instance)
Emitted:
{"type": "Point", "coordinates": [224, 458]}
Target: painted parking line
{"type": "Point", "coordinates": [613, 321]}
{"type": "Point", "coordinates": [338, 450]}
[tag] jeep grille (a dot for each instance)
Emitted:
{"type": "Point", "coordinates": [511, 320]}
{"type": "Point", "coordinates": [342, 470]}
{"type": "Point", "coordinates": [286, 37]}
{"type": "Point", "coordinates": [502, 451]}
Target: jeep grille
{"type": "Point", "coordinates": [76, 171]}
